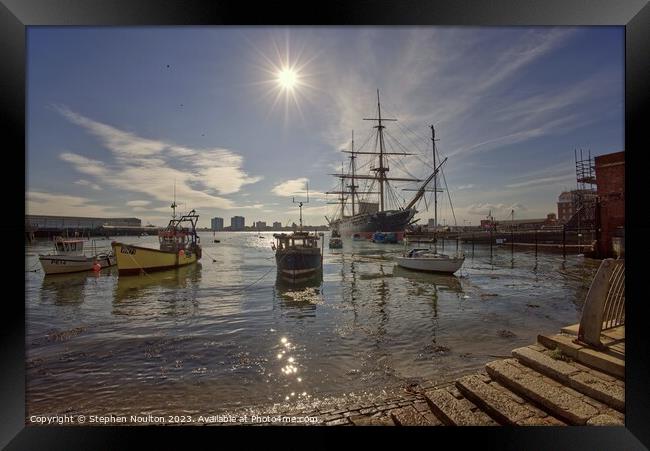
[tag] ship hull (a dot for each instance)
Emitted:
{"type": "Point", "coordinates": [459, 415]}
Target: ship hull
{"type": "Point", "coordinates": [367, 224]}
{"type": "Point", "coordinates": [133, 260]}
{"type": "Point", "coordinates": [296, 266]}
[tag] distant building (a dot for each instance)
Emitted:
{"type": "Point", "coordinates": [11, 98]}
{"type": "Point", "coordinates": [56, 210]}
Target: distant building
{"type": "Point", "coordinates": [77, 222]}
{"type": "Point", "coordinates": [277, 225]}
{"type": "Point", "coordinates": [217, 224]}
{"type": "Point", "coordinates": [431, 224]}
{"type": "Point", "coordinates": [237, 223]}
{"type": "Point", "coordinates": [610, 179]}
{"type": "Point", "coordinates": [260, 225]}
{"type": "Point", "coordinates": [566, 203]}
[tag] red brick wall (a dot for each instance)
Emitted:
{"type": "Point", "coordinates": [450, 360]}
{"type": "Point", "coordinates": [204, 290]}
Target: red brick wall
{"type": "Point", "coordinates": [610, 179]}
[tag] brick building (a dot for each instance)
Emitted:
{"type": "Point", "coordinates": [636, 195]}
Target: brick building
{"type": "Point", "coordinates": [610, 179]}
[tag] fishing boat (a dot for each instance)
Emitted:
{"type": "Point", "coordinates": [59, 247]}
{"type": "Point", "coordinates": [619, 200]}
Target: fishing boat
{"type": "Point", "coordinates": [367, 214]}
{"type": "Point", "coordinates": [428, 259]}
{"type": "Point", "coordinates": [69, 257]}
{"type": "Point", "coordinates": [179, 246]}
{"type": "Point", "coordinates": [298, 255]}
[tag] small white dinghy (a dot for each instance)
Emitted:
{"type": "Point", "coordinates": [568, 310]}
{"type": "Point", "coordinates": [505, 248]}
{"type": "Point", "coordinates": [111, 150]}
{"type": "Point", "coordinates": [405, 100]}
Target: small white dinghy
{"type": "Point", "coordinates": [69, 257]}
{"type": "Point", "coordinates": [422, 259]}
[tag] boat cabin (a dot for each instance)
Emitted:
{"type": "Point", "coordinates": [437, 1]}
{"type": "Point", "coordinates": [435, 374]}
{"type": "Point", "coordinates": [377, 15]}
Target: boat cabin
{"type": "Point", "coordinates": [176, 237]}
{"type": "Point", "coordinates": [173, 240]}
{"type": "Point", "coordinates": [69, 247]}
{"type": "Point", "coordinates": [295, 240]}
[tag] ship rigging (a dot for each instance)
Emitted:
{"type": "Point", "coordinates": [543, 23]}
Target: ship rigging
{"type": "Point", "coordinates": [366, 216]}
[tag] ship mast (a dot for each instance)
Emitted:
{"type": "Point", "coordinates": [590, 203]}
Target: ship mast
{"type": "Point", "coordinates": [352, 186]}
{"type": "Point", "coordinates": [381, 170]}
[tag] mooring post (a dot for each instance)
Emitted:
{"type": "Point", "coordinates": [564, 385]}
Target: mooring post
{"type": "Point", "coordinates": [564, 242]}
{"type": "Point", "coordinates": [535, 243]}
{"type": "Point", "coordinates": [512, 241]}
{"type": "Point", "coordinates": [472, 244]}
{"type": "Point", "coordinates": [491, 244]}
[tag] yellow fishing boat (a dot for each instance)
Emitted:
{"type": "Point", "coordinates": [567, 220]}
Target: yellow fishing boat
{"type": "Point", "coordinates": [179, 246]}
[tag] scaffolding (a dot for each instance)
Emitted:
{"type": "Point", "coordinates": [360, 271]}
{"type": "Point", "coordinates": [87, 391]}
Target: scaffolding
{"type": "Point", "coordinates": [585, 196]}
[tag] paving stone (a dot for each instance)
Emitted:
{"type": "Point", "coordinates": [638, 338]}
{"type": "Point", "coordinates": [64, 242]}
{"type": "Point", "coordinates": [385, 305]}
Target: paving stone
{"type": "Point", "coordinates": [408, 416]}
{"type": "Point", "coordinates": [331, 417]}
{"type": "Point", "coordinates": [544, 364]}
{"type": "Point", "coordinates": [548, 420]}
{"type": "Point", "coordinates": [603, 362]}
{"type": "Point", "coordinates": [514, 396]}
{"type": "Point", "coordinates": [604, 420]}
{"type": "Point", "coordinates": [455, 412]}
{"type": "Point", "coordinates": [339, 422]}
{"type": "Point", "coordinates": [562, 404]}
{"type": "Point", "coordinates": [598, 374]}
{"type": "Point", "coordinates": [421, 406]}
{"type": "Point", "coordinates": [368, 411]}
{"type": "Point", "coordinates": [369, 421]}
{"type": "Point", "coordinates": [454, 391]}
{"type": "Point", "coordinates": [564, 342]}
{"type": "Point", "coordinates": [536, 347]}
{"type": "Point", "coordinates": [493, 401]}
{"type": "Point", "coordinates": [431, 418]}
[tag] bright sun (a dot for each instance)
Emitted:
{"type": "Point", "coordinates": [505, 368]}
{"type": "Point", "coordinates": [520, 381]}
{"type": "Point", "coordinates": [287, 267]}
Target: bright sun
{"type": "Point", "coordinates": [287, 78]}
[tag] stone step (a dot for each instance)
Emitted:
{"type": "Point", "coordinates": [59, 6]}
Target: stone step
{"type": "Point", "coordinates": [602, 361]}
{"type": "Point", "coordinates": [409, 416]}
{"type": "Point", "coordinates": [551, 396]}
{"type": "Point", "coordinates": [501, 404]}
{"type": "Point", "coordinates": [587, 382]}
{"type": "Point", "coordinates": [456, 410]}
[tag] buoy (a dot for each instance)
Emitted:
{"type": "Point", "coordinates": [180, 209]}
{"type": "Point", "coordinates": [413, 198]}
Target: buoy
{"type": "Point", "coordinates": [97, 267]}
{"type": "Point", "coordinates": [181, 252]}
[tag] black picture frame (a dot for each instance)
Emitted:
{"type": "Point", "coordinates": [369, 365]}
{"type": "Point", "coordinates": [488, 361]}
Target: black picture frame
{"type": "Point", "coordinates": [634, 15]}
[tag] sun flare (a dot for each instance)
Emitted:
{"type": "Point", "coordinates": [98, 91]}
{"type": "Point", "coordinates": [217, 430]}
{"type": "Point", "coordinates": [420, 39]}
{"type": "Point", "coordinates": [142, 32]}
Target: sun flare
{"type": "Point", "coordinates": [288, 78]}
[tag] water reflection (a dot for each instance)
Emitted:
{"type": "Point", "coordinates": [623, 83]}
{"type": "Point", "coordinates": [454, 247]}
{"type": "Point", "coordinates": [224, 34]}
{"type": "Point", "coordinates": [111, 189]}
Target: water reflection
{"type": "Point", "coordinates": [442, 281]}
{"type": "Point", "coordinates": [301, 298]}
{"type": "Point", "coordinates": [175, 290]}
{"type": "Point", "coordinates": [68, 289]}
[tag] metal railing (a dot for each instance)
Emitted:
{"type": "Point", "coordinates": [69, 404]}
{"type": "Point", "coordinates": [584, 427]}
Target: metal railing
{"type": "Point", "coordinates": [605, 303]}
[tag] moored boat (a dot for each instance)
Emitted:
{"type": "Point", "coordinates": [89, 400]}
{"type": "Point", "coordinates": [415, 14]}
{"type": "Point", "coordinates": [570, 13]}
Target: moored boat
{"type": "Point", "coordinates": [298, 255]}
{"type": "Point", "coordinates": [179, 246]}
{"type": "Point", "coordinates": [428, 259]}
{"type": "Point", "coordinates": [423, 259]}
{"type": "Point", "coordinates": [69, 257]}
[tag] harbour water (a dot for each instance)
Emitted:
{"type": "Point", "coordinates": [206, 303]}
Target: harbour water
{"type": "Point", "coordinates": [224, 334]}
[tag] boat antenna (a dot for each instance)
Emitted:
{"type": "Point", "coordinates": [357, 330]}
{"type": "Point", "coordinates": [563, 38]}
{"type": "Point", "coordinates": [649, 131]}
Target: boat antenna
{"type": "Point", "coordinates": [302, 202]}
{"type": "Point", "coordinates": [174, 205]}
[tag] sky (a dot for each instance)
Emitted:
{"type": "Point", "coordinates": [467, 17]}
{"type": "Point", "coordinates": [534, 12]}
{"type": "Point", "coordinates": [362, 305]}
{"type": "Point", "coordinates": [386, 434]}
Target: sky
{"type": "Point", "coordinates": [241, 120]}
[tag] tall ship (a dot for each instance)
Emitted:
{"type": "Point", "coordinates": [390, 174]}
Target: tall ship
{"type": "Point", "coordinates": [376, 207]}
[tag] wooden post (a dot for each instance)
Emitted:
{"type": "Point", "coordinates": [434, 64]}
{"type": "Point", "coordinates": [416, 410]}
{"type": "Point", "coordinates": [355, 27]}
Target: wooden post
{"type": "Point", "coordinates": [443, 243]}
{"type": "Point", "coordinates": [512, 241]}
{"type": "Point", "coordinates": [491, 243]}
{"type": "Point", "coordinates": [564, 241]}
{"type": "Point", "coordinates": [535, 243]}
{"type": "Point", "coordinates": [472, 244]}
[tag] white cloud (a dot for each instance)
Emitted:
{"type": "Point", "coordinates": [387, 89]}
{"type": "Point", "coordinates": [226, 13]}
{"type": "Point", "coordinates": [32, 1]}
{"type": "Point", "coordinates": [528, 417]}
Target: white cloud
{"type": "Point", "coordinates": [153, 167]}
{"type": "Point", "coordinates": [56, 204]}
{"type": "Point", "coordinates": [91, 185]}
{"type": "Point", "coordinates": [138, 203]}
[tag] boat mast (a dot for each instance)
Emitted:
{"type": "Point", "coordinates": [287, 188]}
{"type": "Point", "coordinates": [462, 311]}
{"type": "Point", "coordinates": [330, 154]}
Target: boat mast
{"type": "Point", "coordinates": [353, 187]}
{"type": "Point", "coordinates": [342, 191]}
{"type": "Point", "coordinates": [435, 179]}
